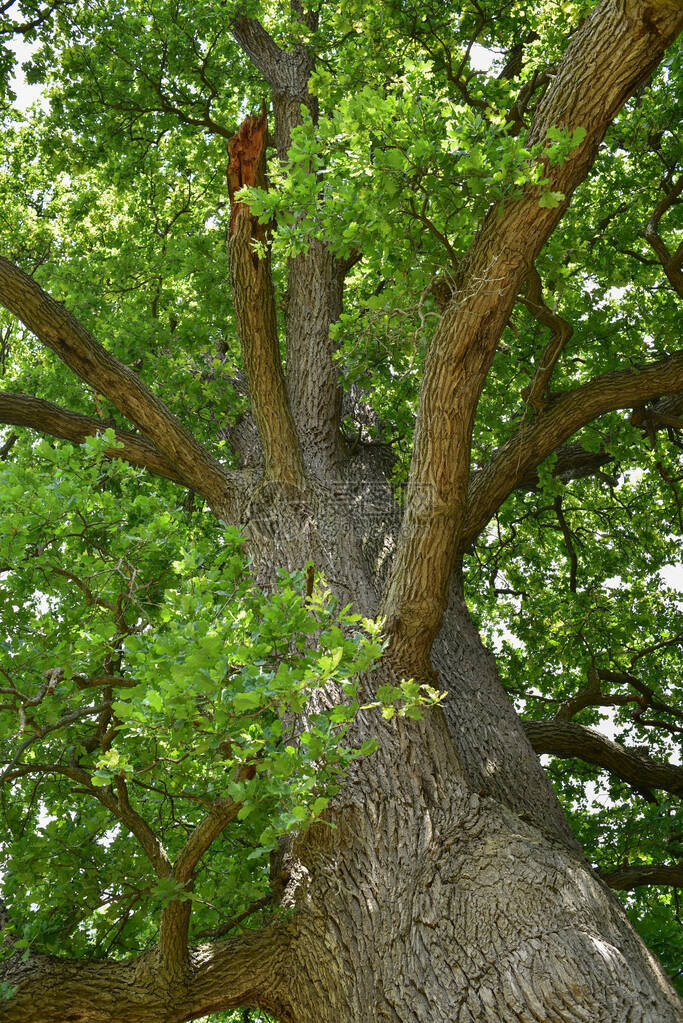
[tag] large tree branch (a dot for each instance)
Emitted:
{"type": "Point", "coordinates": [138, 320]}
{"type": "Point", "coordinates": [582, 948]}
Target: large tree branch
{"type": "Point", "coordinates": [248, 969]}
{"type": "Point", "coordinates": [515, 462]}
{"type": "Point", "coordinates": [252, 287]}
{"type": "Point", "coordinates": [635, 875]}
{"type": "Point", "coordinates": [277, 66]}
{"type": "Point", "coordinates": [287, 73]}
{"type": "Point", "coordinates": [573, 461]}
{"type": "Point", "coordinates": [613, 52]}
{"type": "Point", "coordinates": [57, 328]}
{"type": "Point", "coordinates": [25, 410]}
{"type": "Point", "coordinates": [568, 739]}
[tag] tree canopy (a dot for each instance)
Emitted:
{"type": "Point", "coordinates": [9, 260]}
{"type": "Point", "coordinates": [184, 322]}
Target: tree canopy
{"type": "Point", "coordinates": [151, 684]}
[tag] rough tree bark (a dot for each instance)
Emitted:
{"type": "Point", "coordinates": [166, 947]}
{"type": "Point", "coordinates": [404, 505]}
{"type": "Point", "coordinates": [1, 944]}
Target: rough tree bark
{"type": "Point", "coordinates": [452, 887]}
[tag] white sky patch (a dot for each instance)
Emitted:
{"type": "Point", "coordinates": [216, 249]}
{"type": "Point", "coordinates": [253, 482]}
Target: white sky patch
{"type": "Point", "coordinates": [481, 58]}
{"type": "Point", "coordinates": [614, 294]}
{"type": "Point", "coordinates": [631, 475]}
{"type": "Point", "coordinates": [26, 94]}
{"type": "Point", "coordinates": [672, 575]}
{"type": "Point", "coordinates": [109, 836]}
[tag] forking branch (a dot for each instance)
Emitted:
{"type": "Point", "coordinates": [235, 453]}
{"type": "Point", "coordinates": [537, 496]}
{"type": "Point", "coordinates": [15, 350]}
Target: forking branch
{"type": "Point", "coordinates": [608, 58]}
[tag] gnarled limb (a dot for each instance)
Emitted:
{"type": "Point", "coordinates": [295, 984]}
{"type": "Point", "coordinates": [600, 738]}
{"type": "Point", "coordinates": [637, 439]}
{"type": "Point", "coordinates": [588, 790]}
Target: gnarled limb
{"type": "Point", "coordinates": [607, 59]}
{"type": "Point", "coordinates": [568, 739]}
{"type": "Point", "coordinates": [287, 73]}
{"type": "Point", "coordinates": [516, 461]}
{"type": "Point", "coordinates": [244, 970]}
{"type": "Point", "coordinates": [45, 417]}
{"type": "Point", "coordinates": [254, 299]}
{"type": "Point", "coordinates": [59, 329]}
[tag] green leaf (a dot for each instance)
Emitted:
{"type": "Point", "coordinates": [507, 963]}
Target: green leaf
{"type": "Point", "coordinates": [246, 701]}
{"type": "Point", "coordinates": [550, 200]}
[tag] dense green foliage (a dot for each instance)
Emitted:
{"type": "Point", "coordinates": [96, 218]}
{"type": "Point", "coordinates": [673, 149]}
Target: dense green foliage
{"type": "Point", "coordinates": [205, 667]}
{"type": "Point", "coordinates": [113, 194]}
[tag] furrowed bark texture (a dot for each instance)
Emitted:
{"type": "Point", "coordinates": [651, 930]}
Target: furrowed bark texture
{"type": "Point", "coordinates": [607, 58]}
{"type": "Point", "coordinates": [218, 977]}
{"type": "Point", "coordinates": [314, 303]}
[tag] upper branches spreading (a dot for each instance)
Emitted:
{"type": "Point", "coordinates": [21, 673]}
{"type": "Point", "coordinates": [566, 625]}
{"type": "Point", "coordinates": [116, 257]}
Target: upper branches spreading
{"type": "Point", "coordinates": [561, 418]}
{"type": "Point", "coordinates": [608, 57]}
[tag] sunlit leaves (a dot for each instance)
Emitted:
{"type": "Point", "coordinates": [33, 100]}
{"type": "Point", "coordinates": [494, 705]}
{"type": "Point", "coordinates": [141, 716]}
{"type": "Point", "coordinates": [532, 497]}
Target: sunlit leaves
{"type": "Point", "coordinates": [115, 197]}
{"type": "Point", "coordinates": [141, 629]}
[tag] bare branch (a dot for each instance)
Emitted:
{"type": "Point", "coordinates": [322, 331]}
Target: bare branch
{"type": "Point", "coordinates": [516, 460]}
{"type": "Point", "coordinates": [561, 332]}
{"type": "Point", "coordinates": [591, 695]}
{"type": "Point", "coordinates": [670, 262]}
{"type": "Point", "coordinates": [229, 925]}
{"type": "Point", "coordinates": [270, 59]}
{"type": "Point", "coordinates": [26, 410]}
{"type": "Point", "coordinates": [117, 804]}
{"type": "Point", "coordinates": [41, 17]}
{"type": "Point", "coordinates": [121, 808]}
{"type": "Point", "coordinates": [635, 875]}
{"type": "Point", "coordinates": [7, 446]}
{"type": "Point", "coordinates": [222, 812]}
{"type": "Point", "coordinates": [646, 696]}
{"type": "Point", "coordinates": [568, 739]}
{"type": "Point", "coordinates": [61, 331]}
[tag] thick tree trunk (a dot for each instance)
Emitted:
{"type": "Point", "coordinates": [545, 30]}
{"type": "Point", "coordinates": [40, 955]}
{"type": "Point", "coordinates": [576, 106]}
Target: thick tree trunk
{"type": "Point", "coordinates": [452, 888]}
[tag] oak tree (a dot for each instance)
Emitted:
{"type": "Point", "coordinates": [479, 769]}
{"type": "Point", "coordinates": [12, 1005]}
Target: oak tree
{"type": "Point", "coordinates": [340, 479]}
